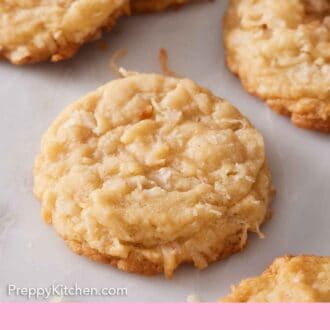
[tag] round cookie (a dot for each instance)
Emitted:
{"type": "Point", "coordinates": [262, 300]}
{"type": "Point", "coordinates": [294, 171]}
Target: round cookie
{"type": "Point", "coordinates": [37, 30]}
{"type": "Point", "coordinates": [144, 6]}
{"type": "Point", "coordinates": [149, 172]}
{"type": "Point", "coordinates": [288, 279]}
{"type": "Point", "coordinates": [280, 51]}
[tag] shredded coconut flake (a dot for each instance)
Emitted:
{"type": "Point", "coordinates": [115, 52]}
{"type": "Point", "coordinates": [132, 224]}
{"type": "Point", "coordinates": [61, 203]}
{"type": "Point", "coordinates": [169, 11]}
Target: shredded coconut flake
{"type": "Point", "coordinates": [115, 68]}
{"type": "Point", "coordinates": [163, 59]}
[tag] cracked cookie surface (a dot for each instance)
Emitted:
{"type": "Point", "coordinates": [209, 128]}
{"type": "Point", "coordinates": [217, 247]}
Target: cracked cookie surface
{"type": "Point", "coordinates": [288, 279]}
{"type": "Point", "coordinates": [281, 52]}
{"type": "Point", "coordinates": [38, 30]}
{"type": "Point", "coordinates": [149, 172]}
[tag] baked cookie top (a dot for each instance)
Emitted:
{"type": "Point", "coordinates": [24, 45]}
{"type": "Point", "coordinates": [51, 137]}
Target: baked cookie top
{"type": "Point", "coordinates": [143, 6]}
{"type": "Point", "coordinates": [36, 30]}
{"type": "Point", "coordinates": [152, 171]}
{"type": "Point", "coordinates": [281, 52]}
{"type": "Point", "coordinates": [288, 279]}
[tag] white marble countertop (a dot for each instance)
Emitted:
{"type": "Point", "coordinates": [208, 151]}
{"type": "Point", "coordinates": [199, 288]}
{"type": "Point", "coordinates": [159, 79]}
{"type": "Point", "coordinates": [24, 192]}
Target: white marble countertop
{"type": "Point", "coordinates": [32, 255]}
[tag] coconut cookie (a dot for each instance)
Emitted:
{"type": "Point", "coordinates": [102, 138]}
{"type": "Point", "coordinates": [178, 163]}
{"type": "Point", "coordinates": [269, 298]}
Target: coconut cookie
{"type": "Point", "coordinates": [149, 172]}
{"type": "Point", "coordinates": [143, 6]}
{"type": "Point", "coordinates": [37, 30]}
{"type": "Point", "coordinates": [288, 279]}
{"type": "Point", "coordinates": [281, 52]}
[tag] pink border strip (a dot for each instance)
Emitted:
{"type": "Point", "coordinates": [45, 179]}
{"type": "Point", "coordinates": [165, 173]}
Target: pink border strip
{"type": "Point", "coordinates": [164, 316]}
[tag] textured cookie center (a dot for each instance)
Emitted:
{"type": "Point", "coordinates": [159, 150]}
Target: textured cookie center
{"type": "Point", "coordinates": [153, 163]}
{"type": "Point", "coordinates": [162, 174]}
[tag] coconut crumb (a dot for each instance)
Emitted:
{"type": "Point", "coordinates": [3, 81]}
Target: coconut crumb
{"type": "Point", "coordinates": [244, 236]}
{"type": "Point", "coordinates": [260, 234]}
{"type": "Point", "coordinates": [163, 59]}
{"type": "Point", "coordinates": [193, 298]}
{"type": "Point", "coordinates": [115, 68]}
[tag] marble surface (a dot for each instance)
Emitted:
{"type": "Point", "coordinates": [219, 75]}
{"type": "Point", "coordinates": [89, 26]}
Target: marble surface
{"type": "Point", "coordinates": [32, 255]}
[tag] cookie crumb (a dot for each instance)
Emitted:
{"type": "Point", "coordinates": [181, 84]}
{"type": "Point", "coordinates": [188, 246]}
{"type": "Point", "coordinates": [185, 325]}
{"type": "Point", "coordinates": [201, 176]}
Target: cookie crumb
{"type": "Point", "coordinates": [115, 68]}
{"type": "Point", "coordinates": [193, 298]}
{"type": "Point", "coordinates": [163, 59]}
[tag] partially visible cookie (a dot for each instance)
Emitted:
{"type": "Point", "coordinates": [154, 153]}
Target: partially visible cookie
{"type": "Point", "coordinates": [281, 52]}
{"type": "Point", "coordinates": [288, 279]}
{"type": "Point", "coordinates": [149, 172]}
{"type": "Point", "coordinates": [143, 6]}
{"type": "Point", "coordinates": [37, 30]}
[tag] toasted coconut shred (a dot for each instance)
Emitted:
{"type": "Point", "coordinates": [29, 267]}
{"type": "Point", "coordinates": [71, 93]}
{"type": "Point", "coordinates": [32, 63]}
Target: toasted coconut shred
{"type": "Point", "coordinates": [121, 72]}
{"type": "Point", "coordinates": [117, 70]}
{"type": "Point", "coordinates": [163, 59]}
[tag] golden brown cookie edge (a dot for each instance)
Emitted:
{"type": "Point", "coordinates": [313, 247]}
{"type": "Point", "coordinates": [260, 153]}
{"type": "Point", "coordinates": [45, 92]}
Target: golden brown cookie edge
{"type": "Point", "coordinates": [66, 53]}
{"type": "Point", "coordinates": [279, 106]}
{"type": "Point", "coordinates": [237, 294]}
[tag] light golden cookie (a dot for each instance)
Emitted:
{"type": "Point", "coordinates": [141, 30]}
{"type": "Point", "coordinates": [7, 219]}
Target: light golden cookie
{"type": "Point", "coordinates": [281, 52]}
{"type": "Point", "coordinates": [288, 279]}
{"type": "Point", "coordinates": [149, 172]}
{"type": "Point", "coordinates": [37, 30]}
{"type": "Point", "coordinates": [143, 6]}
